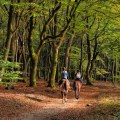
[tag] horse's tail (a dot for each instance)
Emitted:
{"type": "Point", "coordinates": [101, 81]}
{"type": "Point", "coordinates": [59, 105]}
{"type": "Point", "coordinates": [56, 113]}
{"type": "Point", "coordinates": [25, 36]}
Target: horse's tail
{"type": "Point", "coordinates": [74, 85]}
{"type": "Point", "coordinates": [65, 85]}
{"type": "Point", "coordinates": [77, 85]}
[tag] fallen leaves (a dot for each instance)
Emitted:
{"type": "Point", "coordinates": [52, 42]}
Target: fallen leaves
{"type": "Point", "coordinates": [24, 99]}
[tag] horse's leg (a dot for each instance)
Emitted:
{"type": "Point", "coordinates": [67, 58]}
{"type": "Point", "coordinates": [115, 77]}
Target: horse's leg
{"type": "Point", "coordinates": [79, 87]}
{"type": "Point", "coordinates": [66, 95]}
{"type": "Point", "coordinates": [77, 90]}
{"type": "Point", "coordinates": [76, 93]}
{"type": "Point", "coordinates": [63, 97]}
{"type": "Point", "coordinates": [66, 90]}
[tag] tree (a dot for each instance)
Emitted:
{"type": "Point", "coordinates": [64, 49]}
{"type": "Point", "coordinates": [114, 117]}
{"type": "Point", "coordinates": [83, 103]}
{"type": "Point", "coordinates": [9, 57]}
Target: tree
{"type": "Point", "coordinates": [59, 40]}
{"type": "Point", "coordinates": [34, 55]}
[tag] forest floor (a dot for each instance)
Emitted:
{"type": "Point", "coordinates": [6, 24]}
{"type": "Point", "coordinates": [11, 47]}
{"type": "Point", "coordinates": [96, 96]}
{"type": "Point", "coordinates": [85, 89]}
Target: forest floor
{"type": "Point", "coordinates": [98, 102]}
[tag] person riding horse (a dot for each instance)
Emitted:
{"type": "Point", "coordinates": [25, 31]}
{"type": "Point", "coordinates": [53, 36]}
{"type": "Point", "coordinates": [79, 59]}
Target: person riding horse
{"type": "Point", "coordinates": [77, 84]}
{"type": "Point", "coordinates": [78, 76]}
{"type": "Point", "coordinates": [64, 84]}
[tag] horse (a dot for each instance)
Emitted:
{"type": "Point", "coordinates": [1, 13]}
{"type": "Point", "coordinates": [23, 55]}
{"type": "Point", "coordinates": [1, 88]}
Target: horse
{"type": "Point", "coordinates": [65, 86]}
{"type": "Point", "coordinates": [77, 87]}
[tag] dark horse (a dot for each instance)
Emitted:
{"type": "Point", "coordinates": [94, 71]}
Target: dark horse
{"type": "Point", "coordinates": [77, 86]}
{"type": "Point", "coordinates": [65, 86]}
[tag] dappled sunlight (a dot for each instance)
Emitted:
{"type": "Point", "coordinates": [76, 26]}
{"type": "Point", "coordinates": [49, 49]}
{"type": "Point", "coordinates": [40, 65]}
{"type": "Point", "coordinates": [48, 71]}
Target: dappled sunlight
{"type": "Point", "coordinates": [44, 102]}
{"type": "Point", "coordinates": [107, 100]}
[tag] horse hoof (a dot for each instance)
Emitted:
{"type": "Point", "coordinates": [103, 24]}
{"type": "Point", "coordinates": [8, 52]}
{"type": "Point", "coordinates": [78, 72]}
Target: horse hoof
{"type": "Point", "coordinates": [77, 98]}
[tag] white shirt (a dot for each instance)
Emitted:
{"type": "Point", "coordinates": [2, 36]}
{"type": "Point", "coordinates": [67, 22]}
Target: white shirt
{"type": "Point", "coordinates": [78, 75]}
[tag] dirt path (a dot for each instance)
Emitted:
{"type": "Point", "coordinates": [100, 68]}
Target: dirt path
{"type": "Point", "coordinates": [26, 103]}
{"type": "Point", "coordinates": [55, 106]}
{"type": "Point", "coordinates": [49, 109]}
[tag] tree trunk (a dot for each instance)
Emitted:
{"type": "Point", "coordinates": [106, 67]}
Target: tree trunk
{"type": "Point", "coordinates": [33, 56]}
{"type": "Point", "coordinates": [67, 52]}
{"type": "Point", "coordinates": [81, 53]}
{"type": "Point", "coordinates": [33, 71]}
{"type": "Point", "coordinates": [49, 64]}
{"type": "Point", "coordinates": [116, 68]}
{"type": "Point", "coordinates": [9, 33]}
{"type": "Point", "coordinates": [87, 77]}
{"type": "Point", "coordinates": [54, 66]}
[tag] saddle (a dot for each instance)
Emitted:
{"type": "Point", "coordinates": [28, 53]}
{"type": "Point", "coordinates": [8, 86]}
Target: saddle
{"type": "Point", "coordinates": [64, 84]}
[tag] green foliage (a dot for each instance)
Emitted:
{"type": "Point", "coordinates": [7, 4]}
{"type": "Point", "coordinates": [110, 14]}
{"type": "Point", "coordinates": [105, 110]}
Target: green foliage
{"type": "Point", "coordinates": [117, 78]}
{"type": "Point", "coordinates": [75, 52]}
{"type": "Point", "coordinates": [101, 60]}
{"type": "Point", "coordinates": [84, 65]}
{"type": "Point", "coordinates": [100, 14]}
{"type": "Point", "coordinates": [4, 2]}
{"type": "Point", "coordinates": [75, 57]}
{"type": "Point", "coordinates": [101, 72]}
{"type": "Point", "coordinates": [10, 76]}
{"type": "Point", "coordinates": [9, 65]}
{"type": "Point", "coordinates": [117, 116]}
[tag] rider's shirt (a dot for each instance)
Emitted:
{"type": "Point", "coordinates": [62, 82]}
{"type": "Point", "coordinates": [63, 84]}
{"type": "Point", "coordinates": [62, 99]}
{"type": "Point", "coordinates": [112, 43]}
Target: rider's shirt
{"type": "Point", "coordinates": [64, 74]}
{"type": "Point", "coordinates": [78, 75]}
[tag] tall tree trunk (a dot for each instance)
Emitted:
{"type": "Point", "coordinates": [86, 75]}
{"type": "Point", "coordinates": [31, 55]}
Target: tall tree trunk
{"type": "Point", "coordinates": [67, 51]}
{"type": "Point", "coordinates": [87, 77]}
{"type": "Point", "coordinates": [113, 68]}
{"type": "Point", "coordinates": [33, 55]}
{"type": "Point", "coordinates": [95, 53]}
{"type": "Point", "coordinates": [116, 68]}
{"type": "Point", "coordinates": [15, 37]}
{"type": "Point", "coordinates": [54, 66]}
{"type": "Point", "coordinates": [9, 33]}
{"type": "Point", "coordinates": [33, 70]}
{"type": "Point", "coordinates": [81, 54]}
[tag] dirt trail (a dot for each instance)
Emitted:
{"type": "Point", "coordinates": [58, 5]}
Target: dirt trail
{"type": "Point", "coordinates": [55, 107]}
{"type": "Point", "coordinates": [52, 108]}
{"type": "Point", "coordinates": [45, 104]}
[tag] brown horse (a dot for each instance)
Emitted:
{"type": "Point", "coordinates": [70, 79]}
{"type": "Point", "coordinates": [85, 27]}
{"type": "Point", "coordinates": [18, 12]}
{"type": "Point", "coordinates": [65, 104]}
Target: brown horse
{"type": "Point", "coordinates": [77, 86]}
{"type": "Point", "coordinates": [65, 86]}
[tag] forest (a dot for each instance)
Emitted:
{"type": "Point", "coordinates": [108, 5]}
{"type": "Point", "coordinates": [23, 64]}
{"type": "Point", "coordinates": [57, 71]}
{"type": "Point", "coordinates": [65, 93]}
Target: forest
{"type": "Point", "coordinates": [40, 37]}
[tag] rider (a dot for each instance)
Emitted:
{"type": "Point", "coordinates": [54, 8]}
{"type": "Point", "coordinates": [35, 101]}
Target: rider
{"type": "Point", "coordinates": [78, 76]}
{"type": "Point", "coordinates": [64, 74]}
{"type": "Point", "coordinates": [64, 77]}
{"type": "Point", "coordinates": [76, 85]}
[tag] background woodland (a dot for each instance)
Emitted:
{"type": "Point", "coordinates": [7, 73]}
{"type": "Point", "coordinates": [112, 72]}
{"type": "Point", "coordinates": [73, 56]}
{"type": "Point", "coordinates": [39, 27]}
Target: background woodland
{"type": "Point", "coordinates": [40, 37]}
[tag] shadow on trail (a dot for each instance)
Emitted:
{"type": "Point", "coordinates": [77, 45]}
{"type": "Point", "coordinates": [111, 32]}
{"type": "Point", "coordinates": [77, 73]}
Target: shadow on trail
{"type": "Point", "coordinates": [34, 99]}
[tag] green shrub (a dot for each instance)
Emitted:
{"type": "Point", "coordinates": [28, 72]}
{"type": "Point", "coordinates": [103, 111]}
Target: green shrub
{"type": "Point", "coordinates": [11, 74]}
